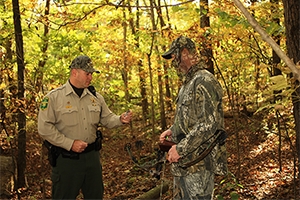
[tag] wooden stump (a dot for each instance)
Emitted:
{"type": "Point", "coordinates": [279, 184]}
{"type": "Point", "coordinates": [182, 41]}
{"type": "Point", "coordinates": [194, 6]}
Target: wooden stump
{"type": "Point", "coordinates": [7, 173]}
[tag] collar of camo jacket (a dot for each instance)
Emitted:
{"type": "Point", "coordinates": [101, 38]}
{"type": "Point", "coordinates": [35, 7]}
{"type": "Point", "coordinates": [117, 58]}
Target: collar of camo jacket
{"type": "Point", "coordinates": [189, 75]}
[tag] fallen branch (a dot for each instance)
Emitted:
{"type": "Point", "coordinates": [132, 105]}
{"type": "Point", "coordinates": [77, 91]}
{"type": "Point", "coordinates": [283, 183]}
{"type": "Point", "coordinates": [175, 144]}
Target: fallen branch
{"type": "Point", "coordinates": [155, 193]}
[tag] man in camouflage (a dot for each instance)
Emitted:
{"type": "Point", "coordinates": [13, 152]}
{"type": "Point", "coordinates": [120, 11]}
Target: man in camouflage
{"type": "Point", "coordinates": [199, 114]}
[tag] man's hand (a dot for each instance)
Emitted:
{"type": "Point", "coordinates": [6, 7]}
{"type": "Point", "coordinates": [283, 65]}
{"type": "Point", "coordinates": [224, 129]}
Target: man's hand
{"type": "Point", "coordinates": [164, 135]}
{"type": "Point", "coordinates": [173, 155]}
{"type": "Point", "coordinates": [79, 146]}
{"type": "Point", "coordinates": [126, 117]}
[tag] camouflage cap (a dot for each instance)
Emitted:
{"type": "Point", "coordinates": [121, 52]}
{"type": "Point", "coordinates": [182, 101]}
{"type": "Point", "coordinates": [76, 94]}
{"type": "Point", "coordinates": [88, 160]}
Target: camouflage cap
{"type": "Point", "coordinates": [83, 62]}
{"type": "Point", "coordinates": [177, 45]}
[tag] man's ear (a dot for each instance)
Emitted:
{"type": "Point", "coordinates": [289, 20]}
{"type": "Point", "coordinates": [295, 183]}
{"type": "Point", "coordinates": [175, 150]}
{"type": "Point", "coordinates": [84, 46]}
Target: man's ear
{"type": "Point", "coordinates": [73, 72]}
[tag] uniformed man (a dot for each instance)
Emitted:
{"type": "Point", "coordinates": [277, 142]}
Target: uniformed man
{"type": "Point", "coordinates": [68, 119]}
{"type": "Point", "coordinates": [198, 116]}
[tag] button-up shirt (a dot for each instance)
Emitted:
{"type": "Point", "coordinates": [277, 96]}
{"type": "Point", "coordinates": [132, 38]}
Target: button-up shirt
{"type": "Point", "coordinates": [65, 117]}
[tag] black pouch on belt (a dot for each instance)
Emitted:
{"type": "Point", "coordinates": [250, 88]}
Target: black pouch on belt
{"type": "Point", "coordinates": [98, 141]}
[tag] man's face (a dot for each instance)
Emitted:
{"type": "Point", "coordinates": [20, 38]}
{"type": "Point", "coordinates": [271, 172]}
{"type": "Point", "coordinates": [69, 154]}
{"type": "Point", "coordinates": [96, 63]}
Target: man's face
{"type": "Point", "coordinates": [176, 61]}
{"type": "Point", "coordinates": [83, 78]}
{"type": "Point", "coordinates": [179, 61]}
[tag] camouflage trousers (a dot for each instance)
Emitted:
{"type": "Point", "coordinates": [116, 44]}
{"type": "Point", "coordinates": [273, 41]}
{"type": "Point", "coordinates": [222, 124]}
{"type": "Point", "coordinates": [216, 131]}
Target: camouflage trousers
{"type": "Point", "coordinates": [199, 185]}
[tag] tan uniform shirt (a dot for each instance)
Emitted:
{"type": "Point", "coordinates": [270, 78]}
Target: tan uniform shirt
{"type": "Point", "coordinates": [64, 117]}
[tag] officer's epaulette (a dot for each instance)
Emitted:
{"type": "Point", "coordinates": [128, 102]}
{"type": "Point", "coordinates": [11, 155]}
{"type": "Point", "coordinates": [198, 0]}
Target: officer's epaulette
{"type": "Point", "coordinates": [58, 89]}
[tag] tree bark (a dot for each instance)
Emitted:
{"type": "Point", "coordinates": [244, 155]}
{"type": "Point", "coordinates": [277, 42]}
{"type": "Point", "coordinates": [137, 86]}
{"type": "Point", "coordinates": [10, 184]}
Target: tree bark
{"type": "Point", "coordinates": [21, 160]}
{"type": "Point", "coordinates": [292, 25]}
{"type": "Point", "coordinates": [44, 48]}
{"type": "Point", "coordinates": [206, 45]}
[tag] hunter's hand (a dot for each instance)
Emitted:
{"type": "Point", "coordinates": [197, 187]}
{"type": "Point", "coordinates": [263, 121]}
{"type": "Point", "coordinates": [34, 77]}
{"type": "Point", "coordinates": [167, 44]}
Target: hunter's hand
{"type": "Point", "coordinates": [79, 146]}
{"type": "Point", "coordinates": [173, 155]}
{"type": "Point", "coordinates": [126, 117]}
{"type": "Point", "coordinates": [164, 135]}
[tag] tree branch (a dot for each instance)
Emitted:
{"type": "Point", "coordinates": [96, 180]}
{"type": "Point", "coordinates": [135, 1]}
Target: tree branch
{"type": "Point", "coordinates": [295, 69]}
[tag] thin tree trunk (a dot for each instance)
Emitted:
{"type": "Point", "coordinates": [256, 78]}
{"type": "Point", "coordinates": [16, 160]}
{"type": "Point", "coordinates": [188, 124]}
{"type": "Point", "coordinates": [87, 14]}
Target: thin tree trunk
{"type": "Point", "coordinates": [142, 72]}
{"type": "Point", "coordinates": [124, 71]}
{"type": "Point", "coordinates": [160, 74]}
{"type": "Point", "coordinates": [44, 48]}
{"type": "Point", "coordinates": [21, 159]}
{"type": "Point", "coordinates": [206, 45]}
{"type": "Point", "coordinates": [150, 66]}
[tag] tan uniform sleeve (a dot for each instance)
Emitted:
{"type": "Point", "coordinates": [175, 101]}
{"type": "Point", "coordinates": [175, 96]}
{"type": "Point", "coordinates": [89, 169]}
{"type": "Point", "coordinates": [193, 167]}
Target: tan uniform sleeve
{"type": "Point", "coordinates": [46, 125]}
{"type": "Point", "coordinates": [108, 119]}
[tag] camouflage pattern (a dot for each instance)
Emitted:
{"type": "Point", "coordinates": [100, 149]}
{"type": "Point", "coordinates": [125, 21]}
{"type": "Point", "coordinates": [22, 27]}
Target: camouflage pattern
{"type": "Point", "coordinates": [176, 48]}
{"type": "Point", "coordinates": [199, 114]}
{"type": "Point", "coordinates": [83, 62]}
{"type": "Point", "coordinates": [195, 186]}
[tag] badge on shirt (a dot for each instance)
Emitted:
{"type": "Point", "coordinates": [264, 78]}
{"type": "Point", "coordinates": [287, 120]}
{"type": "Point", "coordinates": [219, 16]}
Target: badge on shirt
{"type": "Point", "coordinates": [93, 100]}
{"type": "Point", "coordinates": [68, 105]}
{"type": "Point", "coordinates": [44, 103]}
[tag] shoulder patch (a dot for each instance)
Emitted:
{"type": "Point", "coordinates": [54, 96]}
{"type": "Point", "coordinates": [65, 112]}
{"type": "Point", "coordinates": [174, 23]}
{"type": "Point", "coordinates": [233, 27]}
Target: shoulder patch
{"type": "Point", "coordinates": [44, 103]}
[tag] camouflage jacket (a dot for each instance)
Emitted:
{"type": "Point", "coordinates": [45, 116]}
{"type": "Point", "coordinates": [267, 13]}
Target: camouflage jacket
{"type": "Point", "coordinates": [199, 114]}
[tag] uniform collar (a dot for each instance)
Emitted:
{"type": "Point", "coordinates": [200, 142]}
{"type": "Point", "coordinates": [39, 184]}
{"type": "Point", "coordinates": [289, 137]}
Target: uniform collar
{"type": "Point", "coordinates": [69, 89]}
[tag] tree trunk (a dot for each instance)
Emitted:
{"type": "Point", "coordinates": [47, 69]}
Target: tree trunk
{"type": "Point", "coordinates": [152, 17]}
{"type": "Point", "coordinates": [206, 45]}
{"type": "Point", "coordinates": [124, 71]}
{"type": "Point", "coordinates": [292, 25]}
{"type": "Point", "coordinates": [142, 72]}
{"type": "Point", "coordinates": [44, 48]}
{"type": "Point", "coordinates": [160, 74]}
{"type": "Point", "coordinates": [166, 83]}
{"type": "Point", "coordinates": [21, 160]}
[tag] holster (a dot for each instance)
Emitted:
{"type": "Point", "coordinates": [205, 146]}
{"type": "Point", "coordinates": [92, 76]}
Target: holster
{"type": "Point", "coordinates": [53, 153]}
{"type": "Point", "coordinates": [69, 154]}
{"type": "Point", "coordinates": [98, 141]}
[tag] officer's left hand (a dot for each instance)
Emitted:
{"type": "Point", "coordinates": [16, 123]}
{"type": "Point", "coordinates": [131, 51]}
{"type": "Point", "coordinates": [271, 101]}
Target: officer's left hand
{"type": "Point", "coordinates": [79, 146]}
{"type": "Point", "coordinates": [126, 117]}
{"type": "Point", "coordinates": [173, 155]}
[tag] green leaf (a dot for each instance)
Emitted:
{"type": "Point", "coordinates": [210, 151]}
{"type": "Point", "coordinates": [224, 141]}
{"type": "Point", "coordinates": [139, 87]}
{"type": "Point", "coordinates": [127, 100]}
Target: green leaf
{"type": "Point", "coordinates": [234, 196]}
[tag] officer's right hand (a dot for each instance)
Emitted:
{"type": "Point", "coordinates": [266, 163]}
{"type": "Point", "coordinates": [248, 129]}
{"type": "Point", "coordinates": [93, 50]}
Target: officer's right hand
{"type": "Point", "coordinates": [79, 146]}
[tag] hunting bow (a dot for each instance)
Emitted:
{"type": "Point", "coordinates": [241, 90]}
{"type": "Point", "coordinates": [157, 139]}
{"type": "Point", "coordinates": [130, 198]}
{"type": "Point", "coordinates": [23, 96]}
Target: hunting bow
{"type": "Point", "coordinates": [157, 163]}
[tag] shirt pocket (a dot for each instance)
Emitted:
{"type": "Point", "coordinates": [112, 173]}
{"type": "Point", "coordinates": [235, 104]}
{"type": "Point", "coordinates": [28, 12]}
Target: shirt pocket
{"type": "Point", "coordinates": [189, 113]}
{"type": "Point", "coordinates": [70, 116]}
{"type": "Point", "coordinates": [94, 113]}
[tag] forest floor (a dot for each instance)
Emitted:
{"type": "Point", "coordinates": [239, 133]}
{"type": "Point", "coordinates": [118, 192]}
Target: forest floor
{"type": "Point", "coordinates": [256, 169]}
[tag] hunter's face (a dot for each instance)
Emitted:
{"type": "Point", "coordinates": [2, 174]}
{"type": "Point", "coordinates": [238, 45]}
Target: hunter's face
{"type": "Point", "coordinates": [176, 61]}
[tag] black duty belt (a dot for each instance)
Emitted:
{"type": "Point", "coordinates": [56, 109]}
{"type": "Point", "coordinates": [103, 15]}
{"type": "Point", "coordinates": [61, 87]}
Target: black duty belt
{"type": "Point", "coordinates": [90, 147]}
{"type": "Point", "coordinates": [74, 155]}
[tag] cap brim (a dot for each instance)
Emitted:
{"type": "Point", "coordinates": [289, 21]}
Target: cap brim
{"type": "Point", "coordinates": [168, 54]}
{"type": "Point", "coordinates": [91, 70]}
